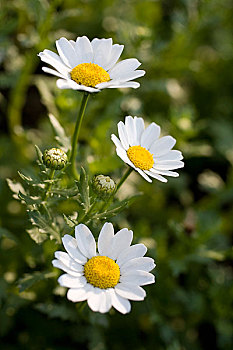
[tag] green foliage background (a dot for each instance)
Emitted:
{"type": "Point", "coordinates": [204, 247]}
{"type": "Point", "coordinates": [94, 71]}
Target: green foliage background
{"type": "Point", "coordinates": [186, 49]}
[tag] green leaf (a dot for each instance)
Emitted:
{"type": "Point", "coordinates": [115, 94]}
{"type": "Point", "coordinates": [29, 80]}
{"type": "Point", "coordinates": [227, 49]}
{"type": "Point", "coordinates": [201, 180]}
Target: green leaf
{"type": "Point", "coordinates": [7, 234]}
{"type": "Point", "coordinates": [15, 187]}
{"type": "Point", "coordinates": [32, 181]}
{"type": "Point", "coordinates": [58, 311]}
{"type": "Point", "coordinates": [36, 235]}
{"type": "Point", "coordinates": [61, 137]}
{"type": "Point", "coordinates": [116, 208]}
{"type": "Point", "coordinates": [39, 154]}
{"type": "Point", "coordinates": [45, 225]}
{"type": "Point", "coordinates": [67, 193]}
{"type": "Point", "coordinates": [29, 279]}
{"type": "Point", "coordinates": [29, 200]}
{"type": "Point", "coordinates": [70, 221]}
{"type": "Point", "coordinates": [83, 187]}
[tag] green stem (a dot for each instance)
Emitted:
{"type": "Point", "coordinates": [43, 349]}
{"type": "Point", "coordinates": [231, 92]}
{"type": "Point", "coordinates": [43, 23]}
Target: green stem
{"type": "Point", "coordinates": [46, 194]}
{"type": "Point", "coordinates": [122, 180]}
{"type": "Point", "coordinates": [86, 215]}
{"type": "Point", "coordinates": [120, 183]}
{"type": "Point", "coordinates": [76, 134]}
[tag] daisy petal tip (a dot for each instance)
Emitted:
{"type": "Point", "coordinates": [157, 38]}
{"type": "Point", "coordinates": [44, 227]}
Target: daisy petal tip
{"type": "Point", "coordinates": [54, 262]}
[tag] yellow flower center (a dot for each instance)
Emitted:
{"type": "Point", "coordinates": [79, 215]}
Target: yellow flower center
{"type": "Point", "coordinates": [102, 272]}
{"type": "Point", "coordinates": [140, 157]}
{"type": "Point", "coordinates": [89, 74]}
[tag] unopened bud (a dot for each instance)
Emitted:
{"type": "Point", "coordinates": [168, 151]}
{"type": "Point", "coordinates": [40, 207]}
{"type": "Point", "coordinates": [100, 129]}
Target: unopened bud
{"type": "Point", "coordinates": [55, 158]}
{"type": "Point", "coordinates": [103, 186]}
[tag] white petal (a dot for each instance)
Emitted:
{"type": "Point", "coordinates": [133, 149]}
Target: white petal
{"type": "Point", "coordinates": [101, 51]}
{"type": "Point", "coordinates": [105, 239]}
{"type": "Point", "coordinates": [94, 299]}
{"type": "Point", "coordinates": [116, 141]}
{"type": "Point", "coordinates": [169, 165]}
{"type": "Point", "coordinates": [66, 52]}
{"type": "Point", "coordinates": [120, 304]}
{"type": "Point", "coordinates": [162, 146]}
{"type": "Point", "coordinates": [156, 176]}
{"type": "Point", "coordinates": [114, 56]}
{"type": "Point", "coordinates": [123, 135]}
{"type": "Point", "coordinates": [164, 172]}
{"type": "Point", "coordinates": [130, 291]}
{"type": "Point", "coordinates": [140, 127]}
{"type": "Point", "coordinates": [123, 155]}
{"type": "Point", "coordinates": [79, 294]}
{"type": "Point", "coordinates": [72, 282]}
{"type": "Point", "coordinates": [171, 155]}
{"type": "Point", "coordinates": [60, 265]}
{"type": "Point", "coordinates": [106, 302]}
{"type": "Point", "coordinates": [124, 67]}
{"type": "Point", "coordinates": [86, 241]}
{"type": "Point", "coordinates": [53, 72]}
{"type": "Point", "coordinates": [121, 241]}
{"type": "Point", "coordinates": [70, 84]}
{"type": "Point", "coordinates": [135, 251]}
{"type": "Point", "coordinates": [72, 42]}
{"type": "Point", "coordinates": [71, 247]}
{"type": "Point", "coordinates": [83, 50]}
{"type": "Point", "coordinates": [131, 75]}
{"type": "Point", "coordinates": [140, 278]}
{"type": "Point", "coordinates": [150, 135]}
{"type": "Point", "coordinates": [142, 173]}
{"type": "Point", "coordinates": [116, 85]}
{"type": "Point", "coordinates": [143, 264]}
{"type": "Point", "coordinates": [68, 261]}
{"type": "Point", "coordinates": [54, 60]}
{"type": "Point", "coordinates": [131, 130]}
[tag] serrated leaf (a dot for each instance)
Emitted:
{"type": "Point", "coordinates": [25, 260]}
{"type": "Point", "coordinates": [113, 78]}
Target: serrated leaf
{"type": "Point", "coordinates": [44, 225]}
{"type": "Point", "coordinates": [67, 193]}
{"type": "Point", "coordinates": [110, 213]}
{"type": "Point", "coordinates": [116, 208]}
{"type": "Point", "coordinates": [25, 178]}
{"type": "Point", "coordinates": [69, 221]}
{"type": "Point", "coordinates": [83, 187]}
{"type": "Point", "coordinates": [29, 279]}
{"type": "Point", "coordinates": [57, 311]}
{"type": "Point", "coordinates": [39, 154]}
{"type": "Point", "coordinates": [7, 234]}
{"type": "Point", "coordinates": [36, 235]}
{"type": "Point", "coordinates": [15, 187]}
{"type": "Point", "coordinates": [29, 200]}
{"type": "Point", "coordinates": [61, 137]}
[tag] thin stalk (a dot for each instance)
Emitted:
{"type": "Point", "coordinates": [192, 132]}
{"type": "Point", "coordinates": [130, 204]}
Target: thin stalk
{"type": "Point", "coordinates": [46, 194]}
{"type": "Point", "coordinates": [120, 183]}
{"type": "Point", "coordinates": [76, 134]}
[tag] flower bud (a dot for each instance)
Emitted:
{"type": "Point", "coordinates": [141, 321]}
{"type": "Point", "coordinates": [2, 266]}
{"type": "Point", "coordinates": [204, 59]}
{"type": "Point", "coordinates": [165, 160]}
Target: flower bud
{"type": "Point", "coordinates": [103, 186]}
{"type": "Point", "coordinates": [54, 158]}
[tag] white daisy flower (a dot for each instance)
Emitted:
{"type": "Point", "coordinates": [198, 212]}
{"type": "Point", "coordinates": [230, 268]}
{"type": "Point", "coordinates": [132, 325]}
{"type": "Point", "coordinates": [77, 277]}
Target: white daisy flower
{"type": "Point", "coordinates": [91, 66]}
{"type": "Point", "coordinates": [111, 277]}
{"type": "Point", "coordinates": [145, 152]}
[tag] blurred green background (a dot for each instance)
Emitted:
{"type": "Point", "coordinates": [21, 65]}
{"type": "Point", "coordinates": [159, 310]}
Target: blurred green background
{"type": "Point", "coordinates": [185, 46]}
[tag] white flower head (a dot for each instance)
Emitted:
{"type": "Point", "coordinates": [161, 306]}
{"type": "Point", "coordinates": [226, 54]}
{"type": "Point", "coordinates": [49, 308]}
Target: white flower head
{"type": "Point", "coordinates": [110, 277]}
{"type": "Point", "coordinates": [91, 65]}
{"type": "Point", "coordinates": [144, 151]}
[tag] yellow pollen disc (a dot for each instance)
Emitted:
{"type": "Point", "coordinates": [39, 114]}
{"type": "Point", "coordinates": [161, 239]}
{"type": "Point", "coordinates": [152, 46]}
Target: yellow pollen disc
{"type": "Point", "coordinates": [140, 157]}
{"type": "Point", "coordinates": [89, 74]}
{"type": "Point", "coordinates": [102, 272]}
